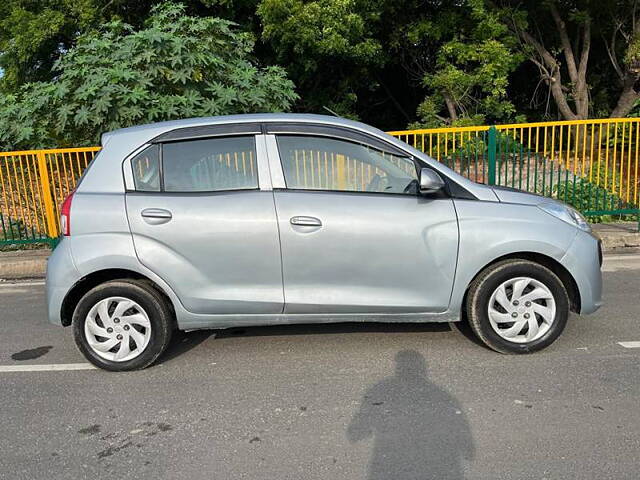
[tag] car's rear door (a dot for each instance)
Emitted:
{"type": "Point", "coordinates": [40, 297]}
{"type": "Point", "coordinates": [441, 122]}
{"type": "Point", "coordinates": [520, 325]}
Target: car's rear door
{"type": "Point", "coordinates": [203, 218]}
{"type": "Point", "coordinates": [356, 237]}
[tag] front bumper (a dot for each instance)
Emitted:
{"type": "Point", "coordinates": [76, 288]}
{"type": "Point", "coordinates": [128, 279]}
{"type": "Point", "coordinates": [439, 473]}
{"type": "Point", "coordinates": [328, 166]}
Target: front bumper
{"type": "Point", "coordinates": [583, 260]}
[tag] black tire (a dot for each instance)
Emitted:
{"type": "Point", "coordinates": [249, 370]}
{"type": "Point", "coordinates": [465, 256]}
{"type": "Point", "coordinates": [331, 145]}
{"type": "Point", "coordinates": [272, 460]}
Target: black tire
{"type": "Point", "coordinates": [489, 280]}
{"type": "Point", "coordinates": [159, 313]}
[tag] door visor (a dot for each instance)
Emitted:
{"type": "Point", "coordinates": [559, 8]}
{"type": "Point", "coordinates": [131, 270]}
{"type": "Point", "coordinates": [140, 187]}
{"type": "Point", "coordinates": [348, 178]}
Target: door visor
{"type": "Point", "coordinates": [206, 131]}
{"type": "Point", "coordinates": [333, 132]}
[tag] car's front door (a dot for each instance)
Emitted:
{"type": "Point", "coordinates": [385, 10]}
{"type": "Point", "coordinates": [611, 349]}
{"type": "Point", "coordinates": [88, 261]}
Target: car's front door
{"type": "Point", "coordinates": [201, 221]}
{"type": "Point", "coordinates": [356, 236]}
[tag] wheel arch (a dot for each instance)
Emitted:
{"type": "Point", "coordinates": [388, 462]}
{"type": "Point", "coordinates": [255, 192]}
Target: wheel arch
{"type": "Point", "coordinates": [93, 279]}
{"type": "Point", "coordinates": [552, 264]}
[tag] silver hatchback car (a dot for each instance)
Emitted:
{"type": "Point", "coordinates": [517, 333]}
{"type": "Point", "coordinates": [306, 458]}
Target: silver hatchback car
{"type": "Point", "coordinates": [277, 218]}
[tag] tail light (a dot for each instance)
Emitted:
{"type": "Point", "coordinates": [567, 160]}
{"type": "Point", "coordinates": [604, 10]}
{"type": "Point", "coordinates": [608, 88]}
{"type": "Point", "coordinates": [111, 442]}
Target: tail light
{"type": "Point", "coordinates": [65, 215]}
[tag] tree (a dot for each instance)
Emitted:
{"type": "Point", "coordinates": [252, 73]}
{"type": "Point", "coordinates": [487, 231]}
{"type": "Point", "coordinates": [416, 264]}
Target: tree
{"type": "Point", "coordinates": [560, 36]}
{"type": "Point", "coordinates": [418, 62]}
{"type": "Point", "coordinates": [376, 59]}
{"type": "Point", "coordinates": [623, 49]}
{"type": "Point", "coordinates": [330, 48]}
{"type": "Point", "coordinates": [33, 35]}
{"type": "Point", "coordinates": [468, 76]}
{"type": "Point", "coordinates": [175, 66]}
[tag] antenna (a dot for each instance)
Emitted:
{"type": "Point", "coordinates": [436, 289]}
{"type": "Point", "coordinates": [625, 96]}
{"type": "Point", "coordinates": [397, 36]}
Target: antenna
{"type": "Point", "coordinates": [330, 111]}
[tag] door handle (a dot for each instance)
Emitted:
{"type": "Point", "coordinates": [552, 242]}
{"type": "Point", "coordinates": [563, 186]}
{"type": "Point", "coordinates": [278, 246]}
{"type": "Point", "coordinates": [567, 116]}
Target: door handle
{"type": "Point", "coordinates": [306, 221]}
{"type": "Point", "coordinates": [156, 213]}
{"type": "Point", "coordinates": [156, 216]}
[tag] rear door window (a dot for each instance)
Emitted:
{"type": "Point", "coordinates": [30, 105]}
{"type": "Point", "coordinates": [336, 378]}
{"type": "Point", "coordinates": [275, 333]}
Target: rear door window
{"type": "Point", "coordinates": [209, 165]}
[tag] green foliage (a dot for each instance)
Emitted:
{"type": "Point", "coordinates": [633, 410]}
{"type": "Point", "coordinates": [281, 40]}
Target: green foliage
{"type": "Point", "coordinates": [329, 46]}
{"type": "Point", "coordinates": [333, 28]}
{"type": "Point", "coordinates": [421, 63]}
{"type": "Point", "coordinates": [469, 80]}
{"type": "Point", "coordinates": [635, 111]}
{"type": "Point", "coordinates": [632, 55]}
{"type": "Point", "coordinates": [22, 126]}
{"type": "Point", "coordinates": [585, 195]}
{"type": "Point", "coordinates": [176, 66]}
{"type": "Point", "coordinates": [32, 34]}
{"type": "Point", "coordinates": [612, 53]}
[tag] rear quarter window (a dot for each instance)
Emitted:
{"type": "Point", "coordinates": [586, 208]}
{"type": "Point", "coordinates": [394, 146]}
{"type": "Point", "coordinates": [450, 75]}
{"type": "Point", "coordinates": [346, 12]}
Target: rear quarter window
{"type": "Point", "coordinates": [146, 169]}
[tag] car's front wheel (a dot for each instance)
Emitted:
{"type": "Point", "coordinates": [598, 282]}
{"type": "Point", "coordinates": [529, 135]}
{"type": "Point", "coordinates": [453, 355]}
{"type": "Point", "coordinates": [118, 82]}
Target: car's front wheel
{"type": "Point", "coordinates": [517, 306]}
{"type": "Point", "coordinates": [122, 325]}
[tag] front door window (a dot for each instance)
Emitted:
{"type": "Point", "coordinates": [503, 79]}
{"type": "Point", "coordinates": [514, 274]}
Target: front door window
{"type": "Point", "coordinates": [321, 163]}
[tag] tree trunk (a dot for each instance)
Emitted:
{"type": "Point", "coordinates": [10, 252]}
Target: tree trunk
{"type": "Point", "coordinates": [628, 97]}
{"type": "Point", "coordinates": [576, 64]}
{"type": "Point", "coordinates": [625, 104]}
{"type": "Point", "coordinates": [451, 107]}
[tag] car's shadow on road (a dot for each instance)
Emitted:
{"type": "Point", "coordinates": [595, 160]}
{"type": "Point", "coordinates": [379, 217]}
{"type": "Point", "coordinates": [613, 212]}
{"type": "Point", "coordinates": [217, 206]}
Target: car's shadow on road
{"type": "Point", "coordinates": [332, 328]}
{"type": "Point", "coordinates": [183, 342]}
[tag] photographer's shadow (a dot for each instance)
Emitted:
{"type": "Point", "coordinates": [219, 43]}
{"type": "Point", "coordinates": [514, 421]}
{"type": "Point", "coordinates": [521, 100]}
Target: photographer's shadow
{"type": "Point", "coordinates": [419, 430]}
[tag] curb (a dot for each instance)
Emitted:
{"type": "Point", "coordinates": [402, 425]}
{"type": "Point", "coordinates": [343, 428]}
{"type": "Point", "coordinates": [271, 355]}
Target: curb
{"type": "Point", "coordinates": [33, 263]}
{"type": "Point", "coordinates": [619, 240]}
{"type": "Point", "coordinates": [24, 264]}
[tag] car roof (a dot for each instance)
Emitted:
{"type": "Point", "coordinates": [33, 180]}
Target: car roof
{"type": "Point", "coordinates": [162, 127]}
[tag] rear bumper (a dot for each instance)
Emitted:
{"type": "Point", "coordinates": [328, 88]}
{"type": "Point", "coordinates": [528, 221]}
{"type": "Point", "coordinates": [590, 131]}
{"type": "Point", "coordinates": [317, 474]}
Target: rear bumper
{"type": "Point", "coordinates": [62, 274]}
{"type": "Point", "coordinates": [583, 260]}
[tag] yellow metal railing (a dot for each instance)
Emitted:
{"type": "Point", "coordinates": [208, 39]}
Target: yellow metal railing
{"type": "Point", "coordinates": [593, 164]}
{"type": "Point", "coordinates": [33, 185]}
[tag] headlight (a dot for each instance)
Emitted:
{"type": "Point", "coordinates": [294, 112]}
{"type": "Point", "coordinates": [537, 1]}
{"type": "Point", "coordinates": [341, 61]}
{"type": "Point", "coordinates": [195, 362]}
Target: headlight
{"type": "Point", "coordinates": [566, 214]}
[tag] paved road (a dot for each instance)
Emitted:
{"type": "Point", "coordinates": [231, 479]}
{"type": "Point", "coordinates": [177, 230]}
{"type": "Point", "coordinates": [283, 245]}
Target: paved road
{"type": "Point", "coordinates": [328, 402]}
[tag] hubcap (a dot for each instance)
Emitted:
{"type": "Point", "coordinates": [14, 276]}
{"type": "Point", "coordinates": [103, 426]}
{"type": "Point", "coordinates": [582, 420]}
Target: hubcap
{"type": "Point", "coordinates": [522, 310]}
{"type": "Point", "coordinates": [117, 329]}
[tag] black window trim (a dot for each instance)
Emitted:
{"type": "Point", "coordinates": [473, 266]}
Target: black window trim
{"type": "Point", "coordinates": [351, 192]}
{"type": "Point", "coordinates": [161, 166]}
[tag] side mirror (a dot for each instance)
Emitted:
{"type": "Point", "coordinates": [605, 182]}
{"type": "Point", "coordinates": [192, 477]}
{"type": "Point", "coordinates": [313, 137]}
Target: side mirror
{"type": "Point", "coordinates": [430, 181]}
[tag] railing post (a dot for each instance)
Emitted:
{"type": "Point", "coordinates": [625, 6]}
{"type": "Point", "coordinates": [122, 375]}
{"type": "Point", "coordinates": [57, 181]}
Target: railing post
{"type": "Point", "coordinates": [45, 188]}
{"type": "Point", "coordinates": [342, 173]}
{"type": "Point", "coordinates": [491, 151]}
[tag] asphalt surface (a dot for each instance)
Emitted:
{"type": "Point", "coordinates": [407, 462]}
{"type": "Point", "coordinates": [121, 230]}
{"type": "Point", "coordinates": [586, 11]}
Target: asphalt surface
{"type": "Point", "coordinates": [328, 402]}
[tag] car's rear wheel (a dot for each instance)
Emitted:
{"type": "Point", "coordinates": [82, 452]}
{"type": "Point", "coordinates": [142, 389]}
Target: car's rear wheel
{"type": "Point", "coordinates": [517, 306]}
{"type": "Point", "coordinates": [122, 325]}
